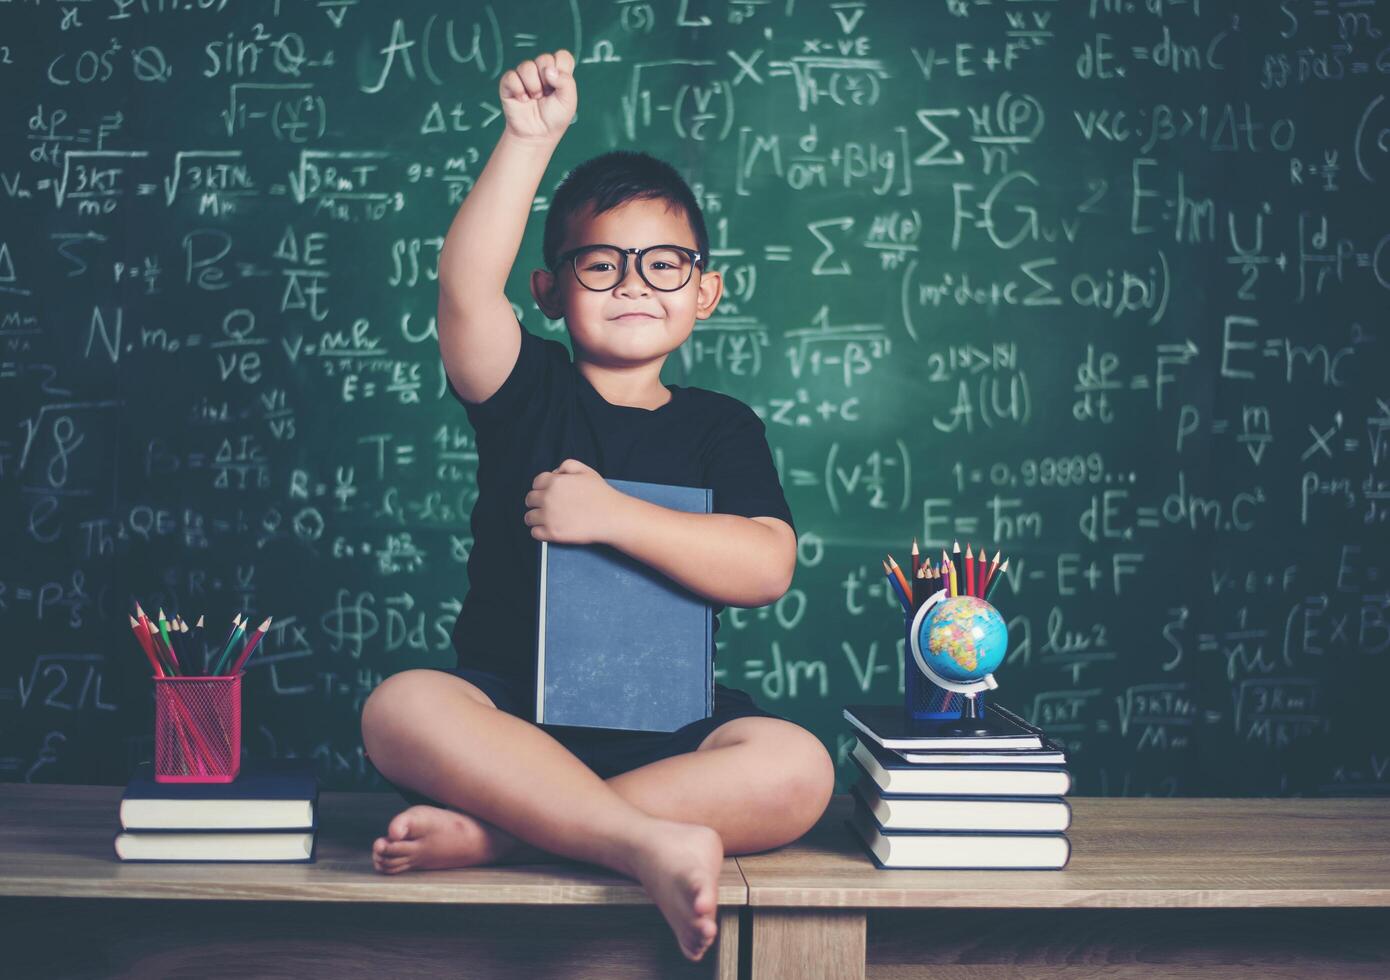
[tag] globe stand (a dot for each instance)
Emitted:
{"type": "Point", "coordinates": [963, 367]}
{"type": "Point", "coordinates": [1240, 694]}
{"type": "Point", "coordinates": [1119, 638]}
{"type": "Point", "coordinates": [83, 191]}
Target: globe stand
{"type": "Point", "coordinates": [970, 720]}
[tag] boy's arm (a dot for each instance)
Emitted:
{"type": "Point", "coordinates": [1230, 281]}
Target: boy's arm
{"type": "Point", "coordinates": [478, 335]}
{"type": "Point", "coordinates": [731, 560]}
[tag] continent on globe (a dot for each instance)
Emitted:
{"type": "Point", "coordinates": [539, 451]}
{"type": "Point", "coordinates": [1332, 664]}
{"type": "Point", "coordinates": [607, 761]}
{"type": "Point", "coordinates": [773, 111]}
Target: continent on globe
{"type": "Point", "coordinates": [964, 639]}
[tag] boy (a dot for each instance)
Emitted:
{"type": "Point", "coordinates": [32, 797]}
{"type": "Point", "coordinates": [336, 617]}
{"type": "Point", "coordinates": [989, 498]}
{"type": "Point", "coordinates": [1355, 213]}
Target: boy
{"type": "Point", "coordinates": [664, 808]}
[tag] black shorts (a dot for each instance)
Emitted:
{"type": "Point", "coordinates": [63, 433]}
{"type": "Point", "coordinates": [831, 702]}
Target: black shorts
{"type": "Point", "coordinates": [606, 752]}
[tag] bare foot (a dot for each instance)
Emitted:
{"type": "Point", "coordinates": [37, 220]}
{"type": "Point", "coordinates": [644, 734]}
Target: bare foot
{"type": "Point", "coordinates": [679, 866]}
{"type": "Point", "coordinates": [425, 837]}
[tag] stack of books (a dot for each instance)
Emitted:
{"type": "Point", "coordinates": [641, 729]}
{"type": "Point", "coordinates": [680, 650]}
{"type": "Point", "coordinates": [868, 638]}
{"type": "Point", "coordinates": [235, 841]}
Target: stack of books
{"type": "Point", "coordinates": [268, 813]}
{"type": "Point", "coordinates": [926, 798]}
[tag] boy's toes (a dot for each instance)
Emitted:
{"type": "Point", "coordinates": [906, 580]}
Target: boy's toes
{"type": "Point", "coordinates": [390, 856]}
{"type": "Point", "coordinates": [388, 848]}
{"type": "Point", "coordinates": [382, 861]}
{"type": "Point", "coordinates": [696, 949]}
{"type": "Point", "coordinates": [705, 934]}
{"type": "Point", "coordinates": [399, 827]}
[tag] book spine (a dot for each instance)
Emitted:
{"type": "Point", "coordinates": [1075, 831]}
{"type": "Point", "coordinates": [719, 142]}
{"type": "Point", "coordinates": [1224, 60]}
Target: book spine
{"type": "Point", "coordinates": [709, 630]}
{"type": "Point", "coordinates": [1008, 715]}
{"type": "Point", "coordinates": [542, 555]}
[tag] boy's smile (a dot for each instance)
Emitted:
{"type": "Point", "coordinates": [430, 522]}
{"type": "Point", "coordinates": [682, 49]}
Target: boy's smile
{"type": "Point", "coordinates": [622, 336]}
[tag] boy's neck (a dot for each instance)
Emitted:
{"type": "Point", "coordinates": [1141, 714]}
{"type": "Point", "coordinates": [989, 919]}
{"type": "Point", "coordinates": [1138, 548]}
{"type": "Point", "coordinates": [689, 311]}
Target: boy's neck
{"type": "Point", "coordinates": [634, 387]}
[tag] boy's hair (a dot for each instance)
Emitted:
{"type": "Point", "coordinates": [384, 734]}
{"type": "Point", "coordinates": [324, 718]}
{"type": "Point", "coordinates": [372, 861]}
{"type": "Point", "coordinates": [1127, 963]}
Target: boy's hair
{"type": "Point", "coordinates": [614, 178]}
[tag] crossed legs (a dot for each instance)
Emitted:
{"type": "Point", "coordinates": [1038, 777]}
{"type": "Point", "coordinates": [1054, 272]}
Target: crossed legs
{"type": "Point", "coordinates": [753, 784]}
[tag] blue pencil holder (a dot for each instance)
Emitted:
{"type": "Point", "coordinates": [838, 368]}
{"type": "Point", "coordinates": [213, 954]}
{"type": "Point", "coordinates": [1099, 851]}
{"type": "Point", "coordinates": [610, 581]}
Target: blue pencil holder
{"type": "Point", "coordinates": [922, 699]}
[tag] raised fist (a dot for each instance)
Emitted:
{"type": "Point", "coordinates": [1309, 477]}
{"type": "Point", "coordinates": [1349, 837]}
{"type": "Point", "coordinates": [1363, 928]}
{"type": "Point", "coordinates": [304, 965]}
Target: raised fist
{"type": "Point", "coordinates": [539, 96]}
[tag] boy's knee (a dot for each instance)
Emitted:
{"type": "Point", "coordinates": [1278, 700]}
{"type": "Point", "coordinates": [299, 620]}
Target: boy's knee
{"type": "Point", "coordinates": [810, 783]}
{"type": "Point", "coordinates": [388, 704]}
{"type": "Point", "coordinates": [820, 783]}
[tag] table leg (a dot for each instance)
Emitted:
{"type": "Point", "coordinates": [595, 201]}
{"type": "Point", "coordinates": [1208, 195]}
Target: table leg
{"type": "Point", "coordinates": [803, 944]}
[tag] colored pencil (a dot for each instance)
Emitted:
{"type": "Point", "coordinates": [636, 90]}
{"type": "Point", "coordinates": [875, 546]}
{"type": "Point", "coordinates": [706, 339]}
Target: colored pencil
{"type": "Point", "coordinates": [916, 560]}
{"type": "Point", "coordinates": [157, 642]}
{"type": "Point", "coordinates": [148, 634]}
{"type": "Point", "coordinates": [897, 587]}
{"type": "Point", "coordinates": [238, 627]}
{"type": "Point", "coordinates": [255, 638]}
{"type": "Point", "coordinates": [902, 579]}
{"type": "Point", "coordinates": [145, 628]}
{"type": "Point", "coordinates": [163, 625]}
{"type": "Point", "coordinates": [969, 570]}
{"type": "Point", "coordinates": [990, 571]}
{"type": "Point", "coordinates": [180, 646]}
{"type": "Point", "coordinates": [198, 646]}
{"type": "Point", "coordinates": [995, 580]}
{"type": "Point", "coordinates": [186, 633]}
{"type": "Point", "coordinates": [143, 639]}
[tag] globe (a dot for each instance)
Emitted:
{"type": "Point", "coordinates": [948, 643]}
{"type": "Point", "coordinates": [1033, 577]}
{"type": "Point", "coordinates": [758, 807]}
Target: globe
{"type": "Point", "coordinates": [963, 638]}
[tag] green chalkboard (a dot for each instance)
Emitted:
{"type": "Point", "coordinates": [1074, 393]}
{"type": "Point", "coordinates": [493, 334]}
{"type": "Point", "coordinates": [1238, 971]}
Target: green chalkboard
{"type": "Point", "coordinates": [1099, 286]}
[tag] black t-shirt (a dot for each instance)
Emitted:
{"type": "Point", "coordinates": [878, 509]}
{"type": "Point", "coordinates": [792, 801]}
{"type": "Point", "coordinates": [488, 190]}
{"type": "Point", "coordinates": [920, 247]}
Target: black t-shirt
{"type": "Point", "coordinates": [547, 411]}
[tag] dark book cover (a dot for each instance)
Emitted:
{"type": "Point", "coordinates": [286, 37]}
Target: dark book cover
{"type": "Point", "coordinates": [620, 645]}
{"type": "Point", "coordinates": [890, 726]}
{"type": "Point", "coordinates": [260, 778]}
{"type": "Point", "coordinates": [267, 795]}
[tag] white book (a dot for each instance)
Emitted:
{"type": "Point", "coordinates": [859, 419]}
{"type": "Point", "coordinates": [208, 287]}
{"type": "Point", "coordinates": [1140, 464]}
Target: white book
{"type": "Point", "coordinates": [1036, 815]}
{"type": "Point", "coordinates": [893, 775]}
{"type": "Point", "coordinates": [929, 850]}
{"type": "Point", "coordinates": [196, 846]}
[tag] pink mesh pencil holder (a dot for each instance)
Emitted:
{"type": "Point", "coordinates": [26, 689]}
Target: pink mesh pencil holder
{"type": "Point", "coordinates": [197, 729]}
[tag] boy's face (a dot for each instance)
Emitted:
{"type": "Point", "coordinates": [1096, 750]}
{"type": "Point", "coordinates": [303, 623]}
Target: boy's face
{"type": "Point", "coordinates": [597, 334]}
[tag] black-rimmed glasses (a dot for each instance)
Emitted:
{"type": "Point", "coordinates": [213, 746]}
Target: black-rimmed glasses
{"type": "Point", "coordinates": [601, 267]}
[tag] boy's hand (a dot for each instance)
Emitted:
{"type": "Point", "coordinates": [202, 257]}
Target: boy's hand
{"type": "Point", "coordinates": [571, 504]}
{"type": "Point", "coordinates": [539, 97]}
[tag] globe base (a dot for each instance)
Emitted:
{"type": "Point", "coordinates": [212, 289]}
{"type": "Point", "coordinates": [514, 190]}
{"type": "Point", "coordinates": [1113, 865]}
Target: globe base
{"type": "Point", "coordinates": [971, 722]}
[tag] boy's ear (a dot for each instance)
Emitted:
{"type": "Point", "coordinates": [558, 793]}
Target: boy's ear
{"type": "Point", "coordinates": [544, 288]}
{"type": "Point", "coordinates": [710, 289]}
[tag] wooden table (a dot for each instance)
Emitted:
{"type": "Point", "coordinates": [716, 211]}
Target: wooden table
{"type": "Point", "coordinates": [1238, 889]}
{"type": "Point", "coordinates": [69, 908]}
{"type": "Point", "coordinates": [1244, 888]}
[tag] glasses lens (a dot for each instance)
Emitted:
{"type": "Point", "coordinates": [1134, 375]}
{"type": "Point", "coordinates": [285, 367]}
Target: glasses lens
{"type": "Point", "coordinates": [598, 267]}
{"type": "Point", "coordinates": [667, 268]}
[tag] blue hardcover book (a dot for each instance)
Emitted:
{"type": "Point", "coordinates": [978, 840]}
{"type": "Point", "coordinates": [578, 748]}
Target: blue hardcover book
{"type": "Point", "coordinates": [619, 645]}
{"type": "Point", "coordinates": [268, 794]}
{"type": "Point", "coordinates": [956, 850]}
{"type": "Point", "coordinates": [268, 813]}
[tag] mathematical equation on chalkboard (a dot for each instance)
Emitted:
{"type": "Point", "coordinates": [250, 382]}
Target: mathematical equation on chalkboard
{"type": "Point", "coordinates": [1100, 283]}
